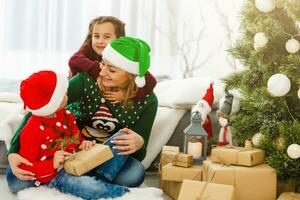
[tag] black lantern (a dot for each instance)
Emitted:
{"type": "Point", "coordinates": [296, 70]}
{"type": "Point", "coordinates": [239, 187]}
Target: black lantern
{"type": "Point", "coordinates": [195, 139]}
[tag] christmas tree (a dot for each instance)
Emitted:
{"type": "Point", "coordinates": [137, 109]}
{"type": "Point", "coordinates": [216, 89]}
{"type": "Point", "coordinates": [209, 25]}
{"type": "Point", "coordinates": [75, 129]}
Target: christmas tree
{"type": "Point", "coordinates": [269, 83]}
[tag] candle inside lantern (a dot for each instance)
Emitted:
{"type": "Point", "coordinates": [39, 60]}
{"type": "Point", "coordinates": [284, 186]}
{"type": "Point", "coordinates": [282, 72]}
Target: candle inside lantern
{"type": "Point", "coordinates": [195, 149]}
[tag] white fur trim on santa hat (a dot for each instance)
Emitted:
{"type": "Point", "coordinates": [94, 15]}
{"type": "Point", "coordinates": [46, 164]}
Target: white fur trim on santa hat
{"type": "Point", "coordinates": [56, 98]}
{"type": "Point", "coordinates": [203, 106]}
{"type": "Point", "coordinates": [120, 61]}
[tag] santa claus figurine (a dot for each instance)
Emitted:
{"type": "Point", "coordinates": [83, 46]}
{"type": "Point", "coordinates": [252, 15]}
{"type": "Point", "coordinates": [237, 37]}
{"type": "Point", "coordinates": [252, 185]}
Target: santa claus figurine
{"type": "Point", "coordinates": [227, 107]}
{"type": "Point", "coordinates": [204, 107]}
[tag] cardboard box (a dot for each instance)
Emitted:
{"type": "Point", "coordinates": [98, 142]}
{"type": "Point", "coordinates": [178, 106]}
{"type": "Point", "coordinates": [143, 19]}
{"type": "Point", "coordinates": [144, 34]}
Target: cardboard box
{"type": "Point", "coordinates": [177, 174]}
{"type": "Point", "coordinates": [183, 160]}
{"type": "Point", "coordinates": [289, 196]}
{"type": "Point", "coordinates": [83, 161]}
{"type": "Point", "coordinates": [258, 182]}
{"type": "Point", "coordinates": [238, 156]}
{"type": "Point", "coordinates": [171, 188]}
{"type": "Point", "coordinates": [196, 190]}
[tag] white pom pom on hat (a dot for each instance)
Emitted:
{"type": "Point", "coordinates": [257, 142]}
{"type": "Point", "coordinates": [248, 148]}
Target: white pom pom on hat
{"type": "Point", "coordinates": [130, 54]}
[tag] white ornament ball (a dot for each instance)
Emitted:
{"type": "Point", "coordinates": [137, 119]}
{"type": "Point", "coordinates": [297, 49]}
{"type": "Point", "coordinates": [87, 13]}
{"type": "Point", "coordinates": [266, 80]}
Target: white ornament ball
{"type": "Point", "coordinates": [257, 138]}
{"type": "Point", "coordinates": [292, 46]}
{"type": "Point", "coordinates": [293, 151]}
{"type": "Point", "coordinates": [256, 47]}
{"type": "Point", "coordinates": [265, 5]}
{"type": "Point", "coordinates": [260, 40]}
{"type": "Point", "coordinates": [279, 85]}
{"type": "Point", "coordinates": [299, 93]}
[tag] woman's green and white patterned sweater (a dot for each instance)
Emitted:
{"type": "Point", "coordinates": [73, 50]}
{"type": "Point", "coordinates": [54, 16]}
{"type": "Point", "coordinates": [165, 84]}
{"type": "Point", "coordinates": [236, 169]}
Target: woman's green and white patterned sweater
{"type": "Point", "coordinates": [91, 109]}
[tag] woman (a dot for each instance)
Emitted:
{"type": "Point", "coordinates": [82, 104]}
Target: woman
{"type": "Point", "coordinates": [125, 62]}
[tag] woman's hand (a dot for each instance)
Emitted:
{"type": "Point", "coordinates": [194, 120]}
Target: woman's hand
{"type": "Point", "coordinates": [128, 143]}
{"type": "Point", "coordinates": [15, 160]}
{"type": "Point", "coordinates": [86, 144]}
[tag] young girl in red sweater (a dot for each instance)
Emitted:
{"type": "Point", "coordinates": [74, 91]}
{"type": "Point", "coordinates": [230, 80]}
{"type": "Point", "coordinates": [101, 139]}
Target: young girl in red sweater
{"type": "Point", "coordinates": [102, 30]}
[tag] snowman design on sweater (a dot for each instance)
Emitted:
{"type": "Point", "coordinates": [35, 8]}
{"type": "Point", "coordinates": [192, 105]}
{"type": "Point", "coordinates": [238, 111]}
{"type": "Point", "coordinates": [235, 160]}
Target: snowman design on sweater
{"type": "Point", "coordinates": [103, 124]}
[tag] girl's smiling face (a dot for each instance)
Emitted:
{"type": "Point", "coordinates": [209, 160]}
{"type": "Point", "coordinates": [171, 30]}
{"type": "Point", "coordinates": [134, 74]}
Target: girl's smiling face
{"type": "Point", "coordinates": [102, 35]}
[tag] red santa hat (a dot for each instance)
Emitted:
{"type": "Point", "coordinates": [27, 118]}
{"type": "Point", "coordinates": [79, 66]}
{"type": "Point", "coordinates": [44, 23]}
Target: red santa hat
{"type": "Point", "coordinates": [208, 98]}
{"type": "Point", "coordinates": [43, 92]}
{"type": "Point", "coordinates": [205, 104]}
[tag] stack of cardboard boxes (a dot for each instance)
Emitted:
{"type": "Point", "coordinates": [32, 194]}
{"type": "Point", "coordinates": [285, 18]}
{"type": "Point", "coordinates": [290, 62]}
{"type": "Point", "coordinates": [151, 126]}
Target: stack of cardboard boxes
{"type": "Point", "coordinates": [232, 173]}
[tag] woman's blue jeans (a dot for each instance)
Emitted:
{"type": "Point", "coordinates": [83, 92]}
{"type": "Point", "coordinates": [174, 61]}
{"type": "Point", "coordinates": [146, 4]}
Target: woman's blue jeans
{"type": "Point", "coordinates": [107, 180]}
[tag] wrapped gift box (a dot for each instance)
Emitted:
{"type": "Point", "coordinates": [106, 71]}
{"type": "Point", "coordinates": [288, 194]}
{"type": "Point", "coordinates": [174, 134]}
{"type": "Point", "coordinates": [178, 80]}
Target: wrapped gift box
{"type": "Point", "coordinates": [258, 182]}
{"type": "Point", "coordinates": [177, 174]}
{"type": "Point", "coordinates": [237, 156]}
{"type": "Point", "coordinates": [183, 160]}
{"type": "Point", "coordinates": [289, 196]}
{"type": "Point", "coordinates": [168, 154]}
{"type": "Point", "coordinates": [83, 161]}
{"type": "Point", "coordinates": [196, 190]}
{"type": "Point", "coordinates": [171, 188]}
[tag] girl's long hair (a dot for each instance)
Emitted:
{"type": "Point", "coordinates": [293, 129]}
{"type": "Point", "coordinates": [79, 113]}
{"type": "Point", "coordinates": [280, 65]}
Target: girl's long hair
{"type": "Point", "coordinates": [119, 27]}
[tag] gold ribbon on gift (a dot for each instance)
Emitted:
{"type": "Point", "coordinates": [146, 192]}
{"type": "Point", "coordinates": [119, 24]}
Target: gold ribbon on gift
{"type": "Point", "coordinates": [200, 196]}
{"type": "Point", "coordinates": [173, 161]}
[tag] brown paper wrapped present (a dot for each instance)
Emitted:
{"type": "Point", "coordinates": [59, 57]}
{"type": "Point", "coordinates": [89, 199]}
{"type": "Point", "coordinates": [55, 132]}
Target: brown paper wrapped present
{"type": "Point", "coordinates": [83, 161]}
{"type": "Point", "coordinates": [289, 196]}
{"type": "Point", "coordinates": [183, 160]}
{"type": "Point", "coordinates": [237, 156]}
{"type": "Point", "coordinates": [257, 182]}
{"type": "Point", "coordinates": [167, 155]}
{"type": "Point", "coordinates": [175, 173]}
{"type": "Point", "coordinates": [196, 190]}
{"type": "Point", "coordinates": [170, 154]}
{"type": "Point", "coordinates": [171, 188]}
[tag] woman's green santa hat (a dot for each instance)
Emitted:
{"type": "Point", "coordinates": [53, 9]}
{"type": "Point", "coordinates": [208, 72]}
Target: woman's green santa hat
{"type": "Point", "coordinates": [130, 54]}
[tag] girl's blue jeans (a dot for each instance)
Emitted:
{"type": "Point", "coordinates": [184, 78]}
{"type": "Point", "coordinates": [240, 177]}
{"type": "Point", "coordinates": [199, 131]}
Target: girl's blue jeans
{"type": "Point", "coordinates": [110, 179]}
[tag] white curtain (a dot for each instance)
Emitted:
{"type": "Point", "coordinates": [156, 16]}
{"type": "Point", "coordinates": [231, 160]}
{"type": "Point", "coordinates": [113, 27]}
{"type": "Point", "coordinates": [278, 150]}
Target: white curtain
{"type": "Point", "coordinates": [43, 34]}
